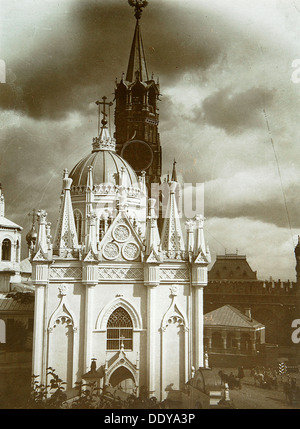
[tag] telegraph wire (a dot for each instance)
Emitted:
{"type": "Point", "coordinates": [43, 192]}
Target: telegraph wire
{"type": "Point", "coordinates": [279, 174]}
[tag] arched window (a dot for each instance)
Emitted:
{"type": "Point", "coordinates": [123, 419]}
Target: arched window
{"type": "Point", "coordinates": [6, 250]}
{"type": "Point", "coordinates": [119, 330]}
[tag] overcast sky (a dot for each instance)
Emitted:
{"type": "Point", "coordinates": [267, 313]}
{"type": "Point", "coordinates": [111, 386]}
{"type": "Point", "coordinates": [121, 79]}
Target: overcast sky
{"type": "Point", "coordinates": [221, 64]}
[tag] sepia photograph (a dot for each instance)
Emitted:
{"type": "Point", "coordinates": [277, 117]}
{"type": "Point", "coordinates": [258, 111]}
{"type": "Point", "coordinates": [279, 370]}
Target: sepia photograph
{"type": "Point", "coordinates": [150, 207]}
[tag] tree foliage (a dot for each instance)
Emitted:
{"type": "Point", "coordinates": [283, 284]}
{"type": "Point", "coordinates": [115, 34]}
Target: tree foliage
{"type": "Point", "coordinates": [53, 396]}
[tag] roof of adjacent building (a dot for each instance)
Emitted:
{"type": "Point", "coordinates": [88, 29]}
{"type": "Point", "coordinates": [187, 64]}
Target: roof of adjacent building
{"type": "Point", "coordinates": [231, 267]}
{"type": "Point", "coordinates": [25, 266]}
{"type": "Point", "coordinates": [11, 304]}
{"type": "Point", "coordinates": [228, 316]}
{"type": "Point", "coordinates": [6, 223]}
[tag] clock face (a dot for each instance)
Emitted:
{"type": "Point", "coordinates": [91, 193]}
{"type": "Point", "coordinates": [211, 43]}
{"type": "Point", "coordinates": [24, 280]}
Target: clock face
{"type": "Point", "coordinates": [138, 154]}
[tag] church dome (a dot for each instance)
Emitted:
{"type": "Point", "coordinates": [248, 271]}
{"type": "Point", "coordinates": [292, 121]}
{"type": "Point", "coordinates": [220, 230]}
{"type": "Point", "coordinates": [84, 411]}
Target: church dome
{"type": "Point", "coordinates": [31, 236]}
{"type": "Point", "coordinates": [107, 168]}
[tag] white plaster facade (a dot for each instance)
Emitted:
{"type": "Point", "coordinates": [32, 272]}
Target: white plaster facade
{"type": "Point", "coordinates": [160, 287]}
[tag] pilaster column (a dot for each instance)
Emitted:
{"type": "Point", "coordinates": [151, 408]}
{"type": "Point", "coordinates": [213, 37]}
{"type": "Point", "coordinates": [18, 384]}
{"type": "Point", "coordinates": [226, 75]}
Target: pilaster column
{"type": "Point", "coordinates": [151, 349]}
{"type": "Point", "coordinates": [198, 323]}
{"type": "Point", "coordinates": [89, 292]}
{"type": "Point", "coordinates": [199, 281]}
{"type": "Point", "coordinates": [38, 332]}
{"type": "Point", "coordinates": [90, 279]}
{"type": "Point", "coordinates": [40, 276]}
{"type": "Point", "coordinates": [151, 281]}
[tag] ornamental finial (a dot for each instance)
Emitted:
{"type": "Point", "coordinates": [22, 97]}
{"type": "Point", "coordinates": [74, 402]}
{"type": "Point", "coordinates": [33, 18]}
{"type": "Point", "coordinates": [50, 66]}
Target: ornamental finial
{"type": "Point", "coordinates": [138, 5]}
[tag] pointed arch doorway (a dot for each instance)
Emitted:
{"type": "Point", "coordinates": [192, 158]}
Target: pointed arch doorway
{"type": "Point", "coordinates": [123, 379]}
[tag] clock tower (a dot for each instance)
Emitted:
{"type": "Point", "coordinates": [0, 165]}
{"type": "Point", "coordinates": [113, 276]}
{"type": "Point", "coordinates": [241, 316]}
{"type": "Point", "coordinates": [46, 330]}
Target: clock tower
{"type": "Point", "coordinates": [136, 112]}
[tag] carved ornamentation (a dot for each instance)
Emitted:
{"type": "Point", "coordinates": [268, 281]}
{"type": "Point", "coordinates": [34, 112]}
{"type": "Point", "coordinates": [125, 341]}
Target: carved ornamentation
{"type": "Point", "coordinates": [62, 290]}
{"type": "Point", "coordinates": [174, 315]}
{"type": "Point", "coordinates": [111, 251]}
{"type": "Point", "coordinates": [121, 273]}
{"type": "Point", "coordinates": [63, 320]}
{"type": "Point", "coordinates": [174, 274]}
{"type": "Point", "coordinates": [65, 273]}
{"type": "Point", "coordinates": [131, 251]}
{"type": "Point", "coordinates": [174, 290]}
{"type": "Point", "coordinates": [121, 233]}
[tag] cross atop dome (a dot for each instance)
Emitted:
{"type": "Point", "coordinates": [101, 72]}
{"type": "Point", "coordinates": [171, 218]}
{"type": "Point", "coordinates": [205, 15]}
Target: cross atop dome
{"type": "Point", "coordinates": [104, 141]}
{"type": "Point", "coordinates": [104, 104]}
{"type": "Point", "coordinates": [138, 5]}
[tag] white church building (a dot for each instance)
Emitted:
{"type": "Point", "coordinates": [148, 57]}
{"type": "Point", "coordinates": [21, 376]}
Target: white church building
{"type": "Point", "coordinates": [113, 287]}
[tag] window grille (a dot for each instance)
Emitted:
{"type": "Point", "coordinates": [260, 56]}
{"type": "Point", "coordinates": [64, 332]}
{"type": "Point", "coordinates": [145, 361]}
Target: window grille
{"type": "Point", "coordinates": [119, 330]}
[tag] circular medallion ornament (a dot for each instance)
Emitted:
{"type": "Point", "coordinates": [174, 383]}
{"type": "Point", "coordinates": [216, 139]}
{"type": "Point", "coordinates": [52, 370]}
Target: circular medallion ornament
{"type": "Point", "coordinates": [138, 154]}
{"type": "Point", "coordinates": [111, 251]}
{"type": "Point", "coordinates": [121, 233]}
{"type": "Point", "coordinates": [130, 251]}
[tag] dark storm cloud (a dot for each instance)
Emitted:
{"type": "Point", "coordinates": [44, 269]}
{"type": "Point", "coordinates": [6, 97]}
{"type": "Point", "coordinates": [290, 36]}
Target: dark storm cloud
{"type": "Point", "coordinates": [81, 61]}
{"type": "Point", "coordinates": [235, 112]}
{"type": "Point", "coordinates": [32, 159]}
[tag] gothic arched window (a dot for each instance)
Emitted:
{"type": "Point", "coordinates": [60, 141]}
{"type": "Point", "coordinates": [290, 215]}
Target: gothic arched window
{"type": "Point", "coordinates": [119, 330]}
{"type": "Point", "coordinates": [6, 250]}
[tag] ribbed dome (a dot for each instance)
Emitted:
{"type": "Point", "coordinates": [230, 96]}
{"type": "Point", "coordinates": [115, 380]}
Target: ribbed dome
{"type": "Point", "coordinates": [107, 167]}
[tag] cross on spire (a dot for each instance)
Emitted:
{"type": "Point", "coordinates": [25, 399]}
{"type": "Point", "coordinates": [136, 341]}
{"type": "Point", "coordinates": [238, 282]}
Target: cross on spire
{"type": "Point", "coordinates": [138, 5]}
{"type": "Point", "coordinates": [104, 104]}
{"type": "Point", "coordinates": [33, 214]}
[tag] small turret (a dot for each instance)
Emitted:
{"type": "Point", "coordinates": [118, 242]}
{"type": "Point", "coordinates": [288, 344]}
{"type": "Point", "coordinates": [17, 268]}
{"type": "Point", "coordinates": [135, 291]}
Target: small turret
{"type": "Point", "coordinates": [172, 237]}
{"type": "Point", "coordinates": [31, 236]}
{"type": "Point", "coordinates": [41, 241]}
{"type": "Point", "coordinates": [66, 240]}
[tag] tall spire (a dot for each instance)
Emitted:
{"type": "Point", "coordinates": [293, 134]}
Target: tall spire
{"type": "Point", "coordinates": [137, 68]}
